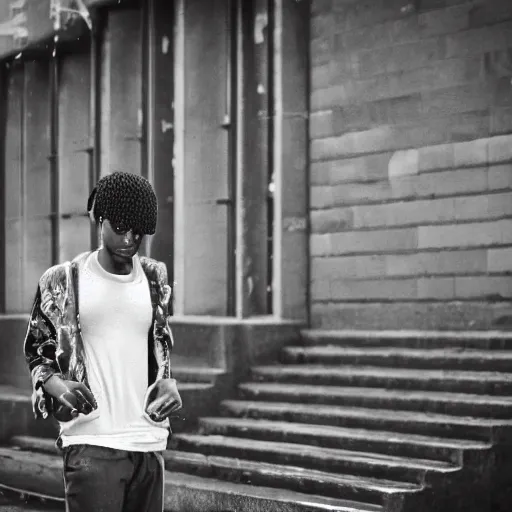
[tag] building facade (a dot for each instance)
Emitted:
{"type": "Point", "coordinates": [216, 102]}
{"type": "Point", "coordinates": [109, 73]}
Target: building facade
{"type": "Point", "coordinates": [343, 164]}
{"type": "Point", "coordinates": [411, 116]}
{"type": "Point", "coordinates": [185, 94]}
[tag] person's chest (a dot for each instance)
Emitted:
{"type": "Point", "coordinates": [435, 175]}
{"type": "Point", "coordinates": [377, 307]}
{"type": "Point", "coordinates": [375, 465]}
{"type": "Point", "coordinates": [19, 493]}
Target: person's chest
{"type": "Point", "coordinates": [120, 313]}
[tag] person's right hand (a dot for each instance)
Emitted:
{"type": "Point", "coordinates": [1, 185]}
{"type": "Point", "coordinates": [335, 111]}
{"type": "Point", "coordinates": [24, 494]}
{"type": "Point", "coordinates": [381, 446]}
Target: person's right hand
{"type": "Point", "coordinates": [74, 397]}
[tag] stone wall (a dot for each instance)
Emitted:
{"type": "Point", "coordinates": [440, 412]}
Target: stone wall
{"type": "Point", "coordinates": [411, 173]}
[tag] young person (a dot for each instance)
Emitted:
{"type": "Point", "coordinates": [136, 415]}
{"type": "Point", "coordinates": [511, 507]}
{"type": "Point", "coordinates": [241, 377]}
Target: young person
{"type": "Point", "coordinates": [97, 346]}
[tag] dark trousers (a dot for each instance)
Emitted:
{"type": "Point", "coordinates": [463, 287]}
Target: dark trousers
{"type": "Point", "coordinates": [99, 479]}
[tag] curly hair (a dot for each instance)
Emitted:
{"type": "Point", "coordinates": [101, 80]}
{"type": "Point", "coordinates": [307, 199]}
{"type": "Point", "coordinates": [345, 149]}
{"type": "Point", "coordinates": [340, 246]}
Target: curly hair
{"type": "Point", "coordinates": [127, 200]}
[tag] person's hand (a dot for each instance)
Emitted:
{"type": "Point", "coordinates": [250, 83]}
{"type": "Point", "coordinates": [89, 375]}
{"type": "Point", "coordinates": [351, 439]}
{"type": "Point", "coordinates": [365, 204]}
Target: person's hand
{"type": "Point", "coordinates": [73, 397]}
{"type": "Point", "coordinates": [162, 399]}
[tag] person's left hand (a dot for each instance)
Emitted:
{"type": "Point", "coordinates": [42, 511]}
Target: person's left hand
{"type": "Point", "coordinates": [162, 399]}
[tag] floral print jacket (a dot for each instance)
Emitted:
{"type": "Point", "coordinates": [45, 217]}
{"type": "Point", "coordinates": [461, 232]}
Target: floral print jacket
{"type": "Point", "coordinates": [54, 345]}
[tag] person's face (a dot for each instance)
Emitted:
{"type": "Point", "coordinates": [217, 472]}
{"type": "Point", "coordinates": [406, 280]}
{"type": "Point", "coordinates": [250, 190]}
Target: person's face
{"type": "Point", "coordinates": [120, 242]}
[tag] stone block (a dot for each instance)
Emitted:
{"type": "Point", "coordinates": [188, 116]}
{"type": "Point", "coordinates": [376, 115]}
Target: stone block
{"type": "Point", "coordinates": [500, 120]}
{"type": "Point", "coordinates": [404, 163]}
{"type": "Point", "coordinates": [469, 125]}
{"type": "Point", "coordinates": [399, 110]}
{"type": "Point", "coordinates": [471, 153]}
{"type": "Point", "coordinates": [499, 205]}
{"type": "Point", "coordinates": [360, 169]}
{"type": "Point", "coordinates": [498, 63]}
{"type": "Point", "coordinates": [321, 290]}
{"type": "Point", "coordinates": [489, 12]}
{"type": "Point", "coordinates": [321, 76]}
{"type": "Point", "coordinates": [472, 208]}
{"type": "Point", "coordinates": [452, 315]}
{"type": "Point", "coordinates": [484, 287]}
{"type": "Point", "coordinates": [444, 21]}
{"type": "Point", "coordinates": [360, 193]}
{"type": "Point", "coordinates": [436, 75]}
{"type": "Point", "coordinates": [321, 24]}
{"type": "Point", "coordinates": [429, 185]}
{"type": "Point", "coordinates": [404, 30]}
{"type": "Point", "coordinates": [320, 245]}
{"type": "Point", "coordinates": [344, 66]}
{"type": "Point", "coordinates": [367, 13]}
{"type": "Point", "coordinates": [379, 139]}
{"type": "Point", "coordinates": [348, 267]}
{"type": "Point", "coordinates": [321, 49]}
{"type": "Point", "coordinates": [404, 213]}
{"type": "Point", "coordinates": [321, 7]}
{"type": "Point", "coordinates": [374, 61]}
{"type": "Point", "coordinates": [332, 220]}
{"type": "Point", "coordinates": [374, 242]}
{"type": "Point", "coordinates": [438, 184]}
{"type": "Point", "coordinates": [466, 235]}
{"type": "Point", "coordinates": [415, 54]}
{"type": "Point", "coordinates": [500, 176]}
{"type": "Point", "coordinates": [362, 38]}
{"type": "Point", "coordinates": [389, 111]}
{"type": "Point", "coordinates": [441, 156]}
{"type": "Point", "coordinates": [325, 99]}
{"type": "Point", "coordinates": [500, 149]}
{"type": "Point", "coordinates": [351, 118]}
{"type": "Point", "coordinates": [436, 263]}
{"type": "Point", "coordinates": [479, 40]}
{"type": "Point", "coordinates": [321, 197]}
{"type": "Point", "coordinates": [502, 93]}
{"type": "Point", "coordinates": [374, 289]}
{"type": "Point", "coordinates": [428, 5]}
{"type": "Point", "coordinates": [436, 288]}
{"type": "Point", "coordinates": [499, 260]}
{"type": "Point", "coordinates": [462, 98]}
{"type": "Point", "coordinates": [321, 124]}
{"type": "Point", "coordinates": [320, 172]}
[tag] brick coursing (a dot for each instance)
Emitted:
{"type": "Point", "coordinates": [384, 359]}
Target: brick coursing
{"type": "Point", "coordinates": [411, 161]}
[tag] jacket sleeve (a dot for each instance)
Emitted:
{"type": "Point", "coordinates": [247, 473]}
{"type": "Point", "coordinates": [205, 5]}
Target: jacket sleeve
{"type": "Point", "coordinates": [40, 348]}
{"type": "Point", "coordinates": [164, 332]}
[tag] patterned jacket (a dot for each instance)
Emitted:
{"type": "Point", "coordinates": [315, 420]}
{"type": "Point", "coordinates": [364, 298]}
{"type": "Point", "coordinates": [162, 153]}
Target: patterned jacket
{"type": "Point", "coordinates": [54, 345]}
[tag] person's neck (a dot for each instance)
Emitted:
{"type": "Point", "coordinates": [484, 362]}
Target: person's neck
{"type": "Point", "coordinates": [114, 266]}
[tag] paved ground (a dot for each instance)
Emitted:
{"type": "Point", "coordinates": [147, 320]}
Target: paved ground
{"type": "Point", "coordinates": [10, 502]}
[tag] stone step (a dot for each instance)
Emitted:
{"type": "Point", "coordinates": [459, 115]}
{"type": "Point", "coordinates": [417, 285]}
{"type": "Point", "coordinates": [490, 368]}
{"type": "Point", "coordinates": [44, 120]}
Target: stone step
{"type": "Point", "coordinates": [484, 340]}
{"type": "Point", "coordinates": [446, 359]}
{"type": "Point", "coordinates": [17, 416]}
{"type": "Point", "coordinates": [186, 492]}
{"type": "Point", "coordinates": [413, 446]}
{"type": "Point", "coordinates": [198, 374]}
{"type": "Point", "coordinates": [14, 502]}
{"type": "Point", "coordinates": [39, 474]}
{"type": "Point", "coordinates": [34, 444]}
{"type": "Point", "coordinates": [495, 383]}
{"type": "Point", "coordinates": [387, 493]}
{"type": "Point", "coordinates": [32, 472]}
{"type": "Point", "coordinates": [441, 425]}
{"type": "Point", "coordinates": [460, 404]}
{"type": "Point", "coordinates": [333, 460]}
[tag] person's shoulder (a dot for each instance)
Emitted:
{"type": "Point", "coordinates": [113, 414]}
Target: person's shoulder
{"type": "Point", "coordinates": [54, 275]}
{"type": "Point", "coordinates": [58, 272]}
{"type": "Point", "coordinates": [155, 268]}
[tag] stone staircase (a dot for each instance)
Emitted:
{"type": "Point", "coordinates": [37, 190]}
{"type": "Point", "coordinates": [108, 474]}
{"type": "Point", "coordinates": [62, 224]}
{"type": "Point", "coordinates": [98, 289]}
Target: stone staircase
{"type": "Point", "coordinates": [346, 422]}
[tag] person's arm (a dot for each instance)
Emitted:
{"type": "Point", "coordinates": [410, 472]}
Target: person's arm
{"type": "Point", "coordinates": [40, 349]}
{"type": "Point", "coordinates": [40, 346]}
{"type": "Point", "coordinates": [163, 397]}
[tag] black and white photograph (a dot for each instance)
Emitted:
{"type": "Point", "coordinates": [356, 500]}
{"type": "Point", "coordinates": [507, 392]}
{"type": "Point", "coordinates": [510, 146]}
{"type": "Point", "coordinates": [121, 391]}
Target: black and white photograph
{"type": "Point", "coordinates": [255, 255]}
